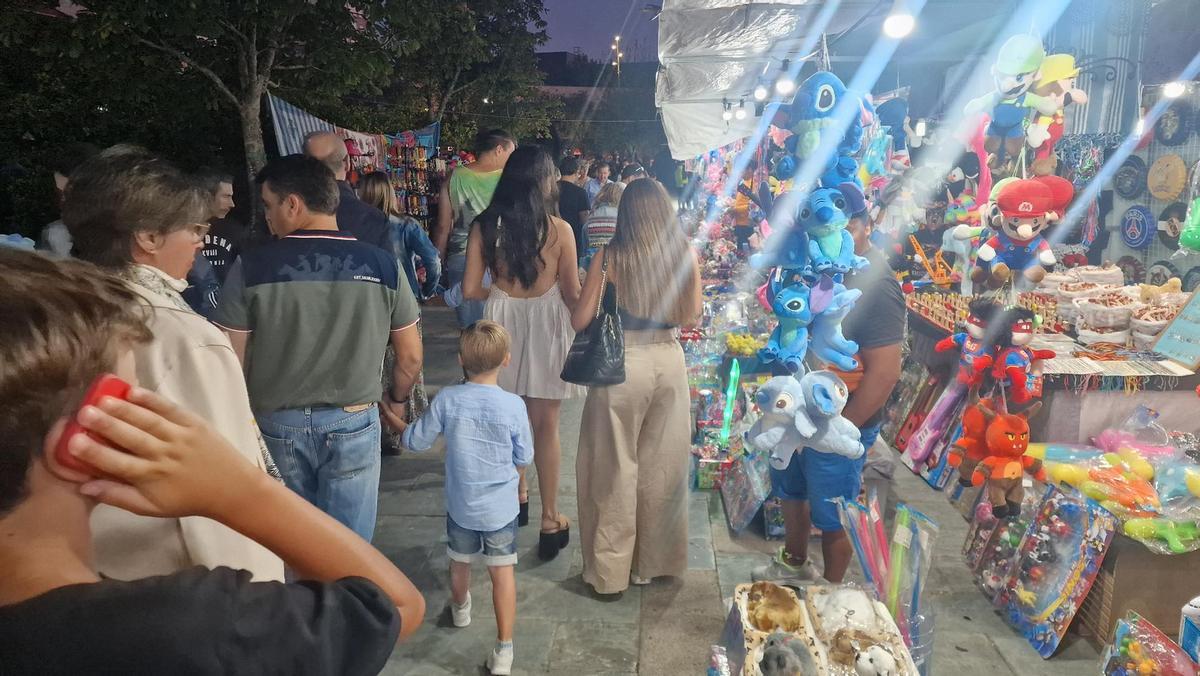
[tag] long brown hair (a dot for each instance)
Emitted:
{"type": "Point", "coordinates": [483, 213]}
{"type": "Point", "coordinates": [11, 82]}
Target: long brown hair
{"type": "Point", "coordinates": [649, 256]}
{"type": "Point", "coordinates": [376, 189]}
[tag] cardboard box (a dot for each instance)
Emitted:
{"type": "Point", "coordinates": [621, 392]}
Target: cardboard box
{"type": "Point", "coordinates": [1134, 578]}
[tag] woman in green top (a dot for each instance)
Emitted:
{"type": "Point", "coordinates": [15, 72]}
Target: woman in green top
{"type": "Point", "coordinates": [463, 197]}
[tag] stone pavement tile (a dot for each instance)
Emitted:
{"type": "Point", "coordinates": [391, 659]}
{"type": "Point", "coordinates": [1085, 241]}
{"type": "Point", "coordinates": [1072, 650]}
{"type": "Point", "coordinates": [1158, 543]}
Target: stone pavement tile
{"type": "Point", "coordinates": [1075, 656]}
{"type": "Point", "coordinates": [438, 651]}
{"type": "Point", "coordinates": [735, 569]}
{"type": "Point", "coordinates": [961, 650]}
{"type": "Point", "coordinates": [699, 525]}
{"type": "Point", "coordinates": [679, 618]}
{"type": "Point", "coordinates": [595, 647]}
{"type": "Point", "coordinates": [700, 554]}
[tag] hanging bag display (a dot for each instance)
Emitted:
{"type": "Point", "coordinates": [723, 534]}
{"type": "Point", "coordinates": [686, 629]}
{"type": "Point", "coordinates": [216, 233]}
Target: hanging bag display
{"type": "Point", "coordinates": [597, 356]}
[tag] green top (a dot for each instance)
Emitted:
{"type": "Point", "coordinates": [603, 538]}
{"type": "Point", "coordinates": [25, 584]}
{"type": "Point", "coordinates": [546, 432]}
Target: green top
{"type": "Point", "coordinates": [470, 193]}
{"type": "Point", "coordinates": [320, 307]}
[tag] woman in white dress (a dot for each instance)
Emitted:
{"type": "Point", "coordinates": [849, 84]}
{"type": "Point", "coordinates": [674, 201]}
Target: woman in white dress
{"type": "Point", "coordinates": [531, 256]}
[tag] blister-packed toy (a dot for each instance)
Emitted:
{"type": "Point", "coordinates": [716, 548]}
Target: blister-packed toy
{"type": "Point", "coordinates": [1058, 559]}
{"type": "Point", "coordinates": [1139, 647]}
{"type": "Point", "coordinates": [860, 637]}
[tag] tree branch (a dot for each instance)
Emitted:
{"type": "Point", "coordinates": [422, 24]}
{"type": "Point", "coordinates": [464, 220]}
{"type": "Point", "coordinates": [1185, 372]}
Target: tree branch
{"type": "Point", "coordinates": [192, 63]}
{"type": "Point", "coordinates": [233, 29]}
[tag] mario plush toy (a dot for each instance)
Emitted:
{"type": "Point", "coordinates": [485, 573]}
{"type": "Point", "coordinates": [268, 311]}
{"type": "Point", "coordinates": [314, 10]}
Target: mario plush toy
{"type": "Point", "coordinates": [1015, 367]}
{"type": "Point", "coordinates": [1026, 208]}
{"type": "Point", "coordinates": [1057, 84]}
{"type": "Point", "coordinates": [1016, 71]}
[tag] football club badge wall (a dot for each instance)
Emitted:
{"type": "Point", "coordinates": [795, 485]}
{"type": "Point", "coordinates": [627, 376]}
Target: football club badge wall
{"type": "Point", "coordinates": [1138, 227]}
{"type": "Point", "coordinates": [1159, 272]}
{"type": "Point", "coordinates": [1170, 224]}
{"type": "Point", "coordinates": [1175, 124]}
{"type": "Point", "coordinates": [1167, 177]}
{"type": "Point", "coordinates": [1134, 270]}
{"type": "Point", "coordinates": [1130, 179]}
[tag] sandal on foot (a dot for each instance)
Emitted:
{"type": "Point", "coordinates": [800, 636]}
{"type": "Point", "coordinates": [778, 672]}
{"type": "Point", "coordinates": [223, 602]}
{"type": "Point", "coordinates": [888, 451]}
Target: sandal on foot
{"type": "Point", "coordinates": [550, 543]}
{"type": "Point", "coordinates": [523, 513]}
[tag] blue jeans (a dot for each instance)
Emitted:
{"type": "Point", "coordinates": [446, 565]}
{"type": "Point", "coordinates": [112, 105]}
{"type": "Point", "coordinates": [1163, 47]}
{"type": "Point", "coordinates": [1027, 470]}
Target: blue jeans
{"type": "Point", "coordinates": [330, 457]}
{"type": "Point", "coordinates": [469, 311]}
{"type": "Point", "coordinates": [820, 477]}
{"type": "Point", "coordinates": [498, 547]}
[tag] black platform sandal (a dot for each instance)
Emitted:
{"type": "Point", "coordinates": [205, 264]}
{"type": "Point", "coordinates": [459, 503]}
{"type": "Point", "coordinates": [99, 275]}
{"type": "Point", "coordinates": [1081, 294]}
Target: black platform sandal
{"type": "Point", "coordinates": [552, 542]}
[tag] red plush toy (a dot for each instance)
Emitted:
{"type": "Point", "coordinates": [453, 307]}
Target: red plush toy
{"type": "Point", "coordinates": [977, 354]}
{"type": "Point", "coordinates": [971, 448]}
{"type": "Point", "coordinates": [1007, 439]}
{"type": "Point", "coordinates": [1016, 366]}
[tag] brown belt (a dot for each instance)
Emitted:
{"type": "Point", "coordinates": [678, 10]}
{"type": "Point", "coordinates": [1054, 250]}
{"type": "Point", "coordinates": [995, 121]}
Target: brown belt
{"type": "Point", "coordinates": [357, 408]}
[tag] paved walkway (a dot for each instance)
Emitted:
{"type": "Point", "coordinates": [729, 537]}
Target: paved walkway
{"type": "Point", "coordinates": [664, 628]}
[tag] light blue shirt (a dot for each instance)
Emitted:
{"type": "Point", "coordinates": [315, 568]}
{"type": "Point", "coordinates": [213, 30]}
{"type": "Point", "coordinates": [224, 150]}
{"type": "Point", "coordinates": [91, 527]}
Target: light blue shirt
{"type": "Point", "coordinates": [593, 187]}
{"type": "Point", "coordinates": [487, 439]}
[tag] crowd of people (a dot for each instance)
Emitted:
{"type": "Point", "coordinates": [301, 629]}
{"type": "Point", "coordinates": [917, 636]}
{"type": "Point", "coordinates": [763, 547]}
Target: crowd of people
{"type": "Point", "coordinates": [268, 378]}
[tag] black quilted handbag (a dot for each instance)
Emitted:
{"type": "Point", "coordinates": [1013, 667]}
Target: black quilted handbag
{"type": "Point", "coordinates": [597, 356]}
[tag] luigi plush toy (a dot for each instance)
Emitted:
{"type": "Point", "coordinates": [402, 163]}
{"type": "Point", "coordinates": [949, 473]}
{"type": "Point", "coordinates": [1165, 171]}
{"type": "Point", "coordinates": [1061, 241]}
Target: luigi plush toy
{"type": "Point", "coordinates": [1016, 71]}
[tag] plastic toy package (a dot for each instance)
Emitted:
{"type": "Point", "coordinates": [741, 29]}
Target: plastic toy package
{"type": "Point", "coordinates": [1057, 561]}
{"type": "Point", "coordinates": [1139, 647]}
{"type": "Point", "coordinates": [857, 633]}
{"type": "Point", "coordinates": [992, 544]}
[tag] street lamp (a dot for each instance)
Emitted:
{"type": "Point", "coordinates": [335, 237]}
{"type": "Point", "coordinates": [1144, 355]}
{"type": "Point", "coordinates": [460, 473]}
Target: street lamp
{"type": "Point", "coordinates": [618, 55]}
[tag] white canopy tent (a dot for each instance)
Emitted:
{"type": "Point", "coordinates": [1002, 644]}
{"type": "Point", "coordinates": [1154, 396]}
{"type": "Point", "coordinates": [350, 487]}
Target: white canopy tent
{"type": "Point", "coordinates": [712, 51]}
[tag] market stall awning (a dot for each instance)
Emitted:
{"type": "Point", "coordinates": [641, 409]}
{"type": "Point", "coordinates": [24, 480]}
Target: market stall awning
{"type": "Point", "coordinates": [716, 50]}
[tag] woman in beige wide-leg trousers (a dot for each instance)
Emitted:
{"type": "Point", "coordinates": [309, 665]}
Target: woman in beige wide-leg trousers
{"type": "Point", "coordinates": [632, 468]}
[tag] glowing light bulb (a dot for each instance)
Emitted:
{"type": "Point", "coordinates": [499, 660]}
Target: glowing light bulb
{"type": "Point", "coordinates": [785, 85]}
{"type": "Point", "coordinates": [740, 113]}
{"type": "Point", "coordinates": [761, 93]}
{"type": "Point", "coordinates": [1173, 90]}
{"type": "Point", "coordinates": [899, 25]}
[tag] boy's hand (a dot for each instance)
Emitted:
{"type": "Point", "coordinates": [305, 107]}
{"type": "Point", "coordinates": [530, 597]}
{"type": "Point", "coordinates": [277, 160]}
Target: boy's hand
{"type": "Point", "coordinates": [393, 415]}
{"type": "Point", "coordinates": [173, 463]}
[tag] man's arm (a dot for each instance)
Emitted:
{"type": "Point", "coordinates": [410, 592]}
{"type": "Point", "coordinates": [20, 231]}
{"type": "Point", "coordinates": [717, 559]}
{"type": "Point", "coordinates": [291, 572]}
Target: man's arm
{"type": "Point", "coordinates": [409, 357]}
{"type": "Point", "coordinates": [445, 218]}
{"type": "Point", "coordinates": [881, 371]}
{"type": "Point", "coordinates": [239, 340]}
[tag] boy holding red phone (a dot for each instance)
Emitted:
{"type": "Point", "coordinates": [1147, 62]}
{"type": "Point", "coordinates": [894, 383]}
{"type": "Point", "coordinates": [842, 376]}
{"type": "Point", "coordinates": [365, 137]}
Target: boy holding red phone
{"type": "Point", "coordinates": [62, 325]}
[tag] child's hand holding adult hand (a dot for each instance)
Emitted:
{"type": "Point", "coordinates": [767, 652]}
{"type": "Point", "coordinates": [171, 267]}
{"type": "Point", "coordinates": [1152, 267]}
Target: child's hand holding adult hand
{"type": "Point", "coordinates": [172, 464]}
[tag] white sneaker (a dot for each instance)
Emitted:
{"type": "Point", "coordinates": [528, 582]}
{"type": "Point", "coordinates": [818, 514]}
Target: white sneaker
{"type": "Point", "coordinates": [781, 572]}
{"type": "Point", "coordinates": [461, 614]}
{"type": "Point", "coordinates": [639, 581]}
{"type": "Point", "coordinates": [500, 663]}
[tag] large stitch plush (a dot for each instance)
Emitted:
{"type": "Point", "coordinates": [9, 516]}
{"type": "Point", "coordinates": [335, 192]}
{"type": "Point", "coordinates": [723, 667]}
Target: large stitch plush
{"type": "Point", "coordinates": [816, 110]}
{"type": "Point", "coordinates": [830, 246]}
{"type": "Point", "coordinates": [803, 412]}
{"type": "Point", "coordinates": [789, 301]}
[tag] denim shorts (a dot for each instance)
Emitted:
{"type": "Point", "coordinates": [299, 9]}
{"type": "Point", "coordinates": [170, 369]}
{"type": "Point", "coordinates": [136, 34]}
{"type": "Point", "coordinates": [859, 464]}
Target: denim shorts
{"type": "Point", "coordinates": [819, 478]}
{"type": "Point", "coordinates": [498, 547]}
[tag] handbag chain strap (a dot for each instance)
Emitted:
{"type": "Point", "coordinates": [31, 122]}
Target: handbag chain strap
{"type": "Point", "coordinates": [603, 284]}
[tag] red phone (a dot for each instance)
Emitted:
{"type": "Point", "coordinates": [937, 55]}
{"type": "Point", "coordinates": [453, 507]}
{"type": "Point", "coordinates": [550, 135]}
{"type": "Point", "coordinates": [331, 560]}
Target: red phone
{"type": "Point", "coordinates": [106, 385]}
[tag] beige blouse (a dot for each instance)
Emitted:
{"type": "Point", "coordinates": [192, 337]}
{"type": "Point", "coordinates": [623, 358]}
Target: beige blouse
{"type": "Point", "coordinates": [191, 362]}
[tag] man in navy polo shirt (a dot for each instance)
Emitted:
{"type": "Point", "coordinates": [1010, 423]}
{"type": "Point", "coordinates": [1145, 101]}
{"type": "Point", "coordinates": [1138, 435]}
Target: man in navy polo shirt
{"type": "Point", "coordinates": [354, 216]}
{"type": "Point", "coordinates": [316, 308]}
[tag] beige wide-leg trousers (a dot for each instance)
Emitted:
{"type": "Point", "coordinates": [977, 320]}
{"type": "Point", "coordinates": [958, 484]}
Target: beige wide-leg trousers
{"type": "Point", "coordinates": [632, 467]}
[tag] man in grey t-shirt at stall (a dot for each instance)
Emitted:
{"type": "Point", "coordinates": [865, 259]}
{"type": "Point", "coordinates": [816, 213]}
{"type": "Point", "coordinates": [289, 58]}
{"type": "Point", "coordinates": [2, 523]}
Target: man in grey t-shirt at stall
{"type": "Point", "coordinates": [316, 308]}
{"type": "Point", "coordinates": [813, 479]}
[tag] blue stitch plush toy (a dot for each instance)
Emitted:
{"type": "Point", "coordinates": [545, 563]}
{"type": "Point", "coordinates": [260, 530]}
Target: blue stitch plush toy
{"type": "Point", "coordinates": [786, 248]}
{"type": "Point", "coordinates": [805, 412]}
{"type": "Point", "coordinates": [830, 246]}
{"type": "Point", "coordinates": [788, 343]}
{"type": "Point", "coordinates": [831, 302]}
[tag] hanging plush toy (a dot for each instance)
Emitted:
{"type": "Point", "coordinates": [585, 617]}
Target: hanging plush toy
{"type": "Point", "coordinates": [785, 248]}
{"type": "Point", "coordinates": [892, 115]}
{"type": "Point", "coordinates": [1007, 438]}
{"type": "Point", "coordinates": [1026, 207]}
{"type": "Point", "coordinates": [1016, 365]}
{"type": "Point", "coordinates": [804, 412]}
{"type": "Point", "coordinates": [1015, 72]}
{"type": "Point", "coordinates": [831, 302]}
{"type": "Point", "coordinates": [1057, 84]}
{"type": "Point", "coordinates": [788, 343]}
{"type": "Point", "coordinates": [977, 353]}
{"type": "Point", "coordinates": [830, 247]}
{"type": "Point", "coordinates": [970, 448]}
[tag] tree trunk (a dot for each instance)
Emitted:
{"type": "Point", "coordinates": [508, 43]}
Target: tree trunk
{"type": "Point", "coordinates": [256, 153]}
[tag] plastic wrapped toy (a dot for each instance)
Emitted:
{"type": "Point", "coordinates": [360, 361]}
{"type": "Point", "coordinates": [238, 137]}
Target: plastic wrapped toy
{"type": "Point", "coordinates": [1027, 207]}
{"type": "Point", "coordinates": [977, 354]}
{"type": "Point", "coordinates": [803, 412]}
{"type": "Point", "coordinates": [830, 246]}
{"type": "Point", "coordinates": [1015, 71]}
{"type": "Point", "coordinates": [831, 303]}
{"type": "Point", "coordinates": [1007, 439]}
{"type": "Point", "coordinates": [816, 107]}
{"type": "Point", "coordinates": [1139, 647]}
{"type": "Point", "coordinates": [788, 343]}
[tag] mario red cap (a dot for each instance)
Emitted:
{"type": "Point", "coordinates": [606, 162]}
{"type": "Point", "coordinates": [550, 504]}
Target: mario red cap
{"type": "Point", "coordinates": [1026, 198]}
{"type": "Point", "coordinates": [1060, 189]}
